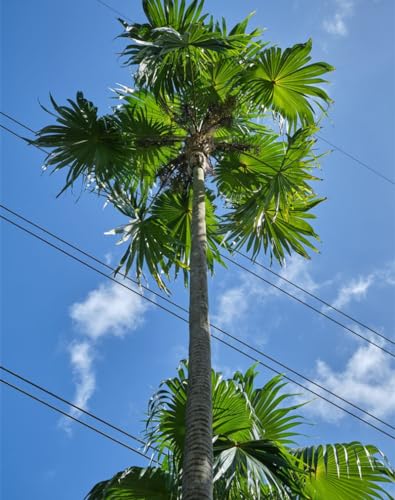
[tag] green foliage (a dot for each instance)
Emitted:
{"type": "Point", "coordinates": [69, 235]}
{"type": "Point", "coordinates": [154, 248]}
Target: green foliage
{"type": "Point", "coordinates": [327, 463]}
{"type": "Point", "coordinates": [200, 86]}
{"type": "Point", "coordinates": [85, 144]}
{"type": "Point", "coordinates": [284, 81]}
{"type": "Point", "coordinates": [136, 483]}
{"type": "Point", "coordinates": [253, 431]}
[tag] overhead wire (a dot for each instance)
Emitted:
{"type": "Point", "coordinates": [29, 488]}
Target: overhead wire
{"type": "Point", "coordinates": [72, 405]}
{"type": "Point", "coordinates": [113, 9]}
{"type": "Point", "coordinates": [18, 122]}
{"type": "Point", "coordinates": [357, 160]}
{"type": "Point", "coordinates": [235, 263]}
{"type": "Point", "coordinates": [160, 296]}
{"type": "Point", "coordinates": [90, 256]}
{"type": "Point", "coordinates": [313, 295]}
{"type": "Point", "coordinates": [75, 419]}
{"type": "Point", "coordinates": [22, 138]}
{"type": "Point", "coordinates": [226, 343]}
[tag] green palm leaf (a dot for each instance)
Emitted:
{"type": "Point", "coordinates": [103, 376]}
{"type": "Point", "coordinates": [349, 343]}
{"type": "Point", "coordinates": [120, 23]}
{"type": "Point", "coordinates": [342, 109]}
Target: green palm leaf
{"type": "Point", "coordinates": [268, 168]}
{"type": "Point", "coordinates": [173, 13]}
{"type": "Point", "coordinates": [84, 143]}
{"type": "Point", "coordinates": [254, 462]}
{"type": "Point", "coordinates": [166, 423]}
{"type": "Point", "coordinates": [252, 427]}
{"type": "Point", "coordinates": [135, 483]}
{"type": "Point", "coordinates": [349, 471]}
{"type": "Point", "coordinates": [174, 210]}
{"type": "Point", "coordinates": [275, 420]}
{"type": "Point", "coordinates": [147, 239]}
{"type": "Point", "coordinates": [284, 82]}
{"type": "Point", "coordinates": [242, 428]}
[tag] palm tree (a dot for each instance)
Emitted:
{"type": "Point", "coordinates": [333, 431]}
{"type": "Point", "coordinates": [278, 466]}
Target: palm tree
{"type": "Point", "coordinates": [191, 158]}
{"type": "Point", "coordinates": [254, 431]}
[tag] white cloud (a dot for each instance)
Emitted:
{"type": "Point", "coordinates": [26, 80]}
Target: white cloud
{"type": "Point", "coordinates": [108, 258]}
{"type": "Point", "coordinates": [297, 270]}
{"type": "Point", "coordinates": [81, 359]}
{"type": "Point", "coordinates": [367, 380]}
{"type": "Point", "coordinates": [233, 304]}
{"type": "Point", "coordinates": [337, 23]}
{"type": "Point", "coordinates": [357, 289]}
{"type": "Point", "coordinates": [354, 290]}
{"type": "Point", "coordinates": [386, 276]}
{"type": "Point", "coordinates": [109, 310]}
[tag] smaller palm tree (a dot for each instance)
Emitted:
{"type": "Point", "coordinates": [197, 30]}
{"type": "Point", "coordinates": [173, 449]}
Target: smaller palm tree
{"type": "Point", "coordinates": [253, 445]}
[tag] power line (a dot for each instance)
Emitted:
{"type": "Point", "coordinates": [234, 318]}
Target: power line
{"type": "Point", "coordinates": [309, 306]}
{"type": "Point", "coordinates": [63, 400]}
{"type": "Point", "coordinates": [237, 264]}
{"type": "Point", "coordinates": [90, 256]}
{"type": "Point", "coordinates": [26, 393]}
{"type": "Point", "coordinates": [74, 247]}
{"type": "Point", "coordinates": [226, 343]}
{"type": "Point", "coordinates": [23, 138]}
{"type": "Point", "coordinates": [314, 296]}
{"type": "Point", "coordinates": [357, 160]}
{"type": "Point", "coordinates": [114, 10]}
{"type": "Point", "coordinates": [18, 122]}
{"type": "Point", "coordinates": [183, 309]}
{"type": "Point", "coordinates": [252, 358]}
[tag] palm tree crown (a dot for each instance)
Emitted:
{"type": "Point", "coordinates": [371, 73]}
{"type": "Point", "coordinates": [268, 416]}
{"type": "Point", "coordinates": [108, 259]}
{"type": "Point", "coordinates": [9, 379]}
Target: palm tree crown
{"type": "Point", "coordinates": [201, 89]}
{"type": "Point", "coordinates": [254, 431]}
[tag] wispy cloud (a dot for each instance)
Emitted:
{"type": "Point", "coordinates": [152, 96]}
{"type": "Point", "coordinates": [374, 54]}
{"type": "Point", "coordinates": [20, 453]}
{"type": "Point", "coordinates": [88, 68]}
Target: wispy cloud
{"type": "Point", "coordinates": [357, 289]}
{"type": "Point", "coordinates": [367, 380]}
{"type": "Point", "coordinates": [108, 258]}
{"type": "Point", "coordinates": [337, 23]}
{"type": "Point", "coordinates": [109, 310]}
{"type": "Point", "coordinates": [233, 304]}
{"type": "Point", "coordinates": [81, 359]}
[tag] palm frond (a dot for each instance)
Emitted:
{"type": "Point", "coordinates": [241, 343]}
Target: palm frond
{"type": "Point", "coordinates": [136, 483]}
{"type": "Point", "coordinates": [350, 471]}
{"type": "Point", "coordinates": [285, 82]}
{"type": "Point", "coordinates": [84, 143]}
{"type": "Point", "coordinates": [272, 229]}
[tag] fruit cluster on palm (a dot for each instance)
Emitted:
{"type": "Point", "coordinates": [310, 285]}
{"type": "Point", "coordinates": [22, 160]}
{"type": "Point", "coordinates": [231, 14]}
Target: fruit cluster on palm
{"type": "Point", "coordinates": [253, 437]}
{"type": "Point", "coordinates": [191, 158]}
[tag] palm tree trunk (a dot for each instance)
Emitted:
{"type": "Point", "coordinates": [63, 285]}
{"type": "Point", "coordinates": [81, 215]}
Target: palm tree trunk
{"type": "Point", "coordinates": [197, 481]}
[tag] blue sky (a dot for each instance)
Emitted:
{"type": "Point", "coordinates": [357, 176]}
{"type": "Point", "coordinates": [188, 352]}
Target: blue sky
{"type": "Point", "coordinates": [69, 329]}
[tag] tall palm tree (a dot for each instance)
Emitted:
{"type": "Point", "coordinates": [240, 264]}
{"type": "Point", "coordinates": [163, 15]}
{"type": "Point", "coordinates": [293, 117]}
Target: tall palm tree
{"type": "Point", "coordinates": [191, 158]}
{"type": "Point", "coordinates": [254, 456]}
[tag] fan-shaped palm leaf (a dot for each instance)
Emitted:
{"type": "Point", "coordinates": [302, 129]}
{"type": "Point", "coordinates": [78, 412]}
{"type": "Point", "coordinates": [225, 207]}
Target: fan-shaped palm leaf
{"type": "Point", "coordinates": [252, 427]}
{"type": "Point", "coordinates": [348, 471]}
{"type": "Point", "coordinates": [242, 428]}
{"type": "Point", "coordinates": [85, 143]}
{"type": "Point", "coordinates": [284, 82]}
